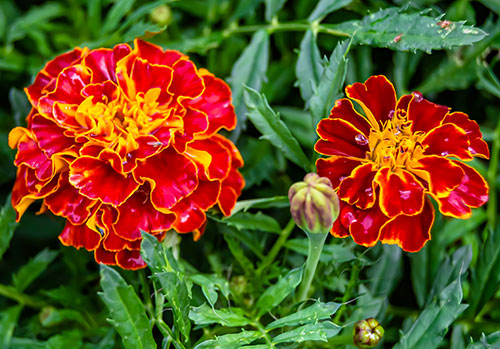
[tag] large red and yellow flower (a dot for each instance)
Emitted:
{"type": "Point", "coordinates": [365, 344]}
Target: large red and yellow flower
{"type": "Point", "coordinates": [122, 140]}
{"type": "Point", "coordinates": [387, 165]}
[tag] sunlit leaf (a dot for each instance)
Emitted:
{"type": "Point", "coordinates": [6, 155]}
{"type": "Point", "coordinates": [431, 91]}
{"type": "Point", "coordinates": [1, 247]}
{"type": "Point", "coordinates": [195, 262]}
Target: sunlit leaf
{"type": "Point", "coordinates": [230, 341]}
{"type": "Point", "coordinates": [312, 314]}
{"type": "Point", "coordinates": [204, 315]}
{"type": "Point", "coordinates": [276, 201]}
{"type": "Point", "coordinates": [311, 332]}
{"type": "Point", "coordinates": [253, 221]}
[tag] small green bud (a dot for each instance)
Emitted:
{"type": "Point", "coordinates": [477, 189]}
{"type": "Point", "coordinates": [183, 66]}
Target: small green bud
{"type": "Point", "coordinates": [367, 333]}
{"type": "Point", "coordinates": [314, 204]}
{"type": "Point", "coordinates": [161, 15]}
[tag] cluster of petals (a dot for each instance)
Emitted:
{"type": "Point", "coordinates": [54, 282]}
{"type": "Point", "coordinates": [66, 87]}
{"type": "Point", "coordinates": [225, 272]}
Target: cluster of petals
{"type": "Point", "coordinates": [387, 164]}
{"type": "Point", "coordinates": [125, 140]}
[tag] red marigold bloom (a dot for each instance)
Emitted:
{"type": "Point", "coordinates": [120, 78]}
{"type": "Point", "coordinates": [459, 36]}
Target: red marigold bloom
{"type": "Point", "coordinates": [387, 165]}
{"type": "Point", "coordinates": [122, 140]}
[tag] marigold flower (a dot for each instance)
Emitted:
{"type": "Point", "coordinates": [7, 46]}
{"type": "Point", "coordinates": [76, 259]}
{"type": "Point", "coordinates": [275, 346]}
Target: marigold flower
{"type": "Point", "coordinates": [387, 165]}
{"type": "Point", "coordinates": [122, 140]}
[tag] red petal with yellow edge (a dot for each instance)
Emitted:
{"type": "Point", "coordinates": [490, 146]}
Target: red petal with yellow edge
{"type": "Point", "coordinates": [215, 102]}
{"type": "Point", "coordinates": [447, 140]}
{"type": "Point", "coordinates": [79, 236]}
{"type": "Point", "coordinates": [403, 102]}
{"type": "Point", "coordinates": [148, 147]}
{"type": "Point", "coordinates": [344, 110]}
{"type": "Point", "coordinates": [45, 80]}
{"type": "Point", "coordinates": [102, 62]}
{"type": "Point", "coordinates": [155, 54]}
{"type": "Point", "coordinates": [137, 213]}
{"type": "Point", "coordinates": [376, 96]}
{"type": "Point", "coordinates": [50, 136]}
{"type": "Point", "coordinates": [29, 154]}
{"type": "Point", "coordinates": [67, 202]}
{"type": "Point", "coordinates": [113, 242]}
{"type": "Point", "coordinates": [172, 177]}
{"type": "Point", "coordinates": [338, 230]}
{"type": "Point", "coordinates": [230, 190]}
{"type": "Point", "coordinates": [212, 156]}
{"type": "Point", "coordinates": [237, 160]}
{"type": "Point", "coordinates": [185, 80]}
{"type": "Point", "coordinates": [364, 225]}
{"type": "Point", "coordinates": [477, 146]}
{"type": "Point", "coordinates": [409, 232]}
{"type": "Point", "coordinates": [64, 114]}
{"type": "Point", "coordinates": [194, 122]}
{"type": "Point", "coordinates": [131, 260]}
{"type": "Point", "coordinates": [338, 137]}
{"type": "Point", "coordinates": [336, 168]}
{"type": "Point", "coordinates": [359, 188]}
{"type": "Point", "coordinates": [472, 192]}
{"type": "Point", "coordinates": [104, 92]}
{"type": "Point", "coordinates": [400, 192]}
{"type": "Point", "coordinates": [97, 180]}
{"type": "Point", "coordinates": [441, 174]}
{"type": "Point", "coordinates": [425, 115]}
{"type": "Point", "coordinates": [104, 257]}
{"type": "Point", "coordinates": [146, 76]}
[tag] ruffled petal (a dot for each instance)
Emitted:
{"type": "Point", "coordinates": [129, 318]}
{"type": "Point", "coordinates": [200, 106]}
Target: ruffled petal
{"type": "Point", "coordinates": [130, 259]}
{"type": "Point", "coordinates": [400, 192]}
{"type": "Point", "coordinates": [186, 82]}
{"type": "Point", "coordinates": [79, 236]}
{"type": "Point", "coordinates": [338, 137]}
{"type": "Point", "coordinates": [425, 115]}
{"type": "Point", "coordinates": [102, 62]}
{"type": "Point", "coordinates": [50, 137]}
{"type": "Point", "coordinates": [336, 168]}
{"type": "Point", "coordinates": [344, 110]}
{"type": "Point", "coordinates": [211, 156]}
{"type": "Point", "coordinates": [376, 96]}
{"type": "Point", "coordinates": [364, 225]}
{"type": "Point", "coordinates": [338, 229]}
{"type": "Point", "coordinates": [447, 140]}
{"type": "Point", "coordinates": [359, 188]}
{"type": "Point", "coordinates": [409, 232]}
{"type": "Point", "coordinates": [472, 192]}
{"type": "Point", "coordinates": [477, 146]}
{"type": "Point", "coordinates": [103, 256]}
{"type": "Point", "coordinates": [156, 55]}
{"type": "Point", "coordinates": [230, 191]}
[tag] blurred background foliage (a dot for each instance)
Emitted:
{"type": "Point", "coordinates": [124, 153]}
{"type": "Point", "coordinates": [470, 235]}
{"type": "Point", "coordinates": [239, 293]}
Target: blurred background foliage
{"type": "Point", "coordinates": [49, 293]}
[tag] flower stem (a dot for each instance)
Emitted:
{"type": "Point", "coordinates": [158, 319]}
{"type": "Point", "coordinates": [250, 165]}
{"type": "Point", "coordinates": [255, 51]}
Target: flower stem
{"type": "Point", "coordinates": [269, 259]}
{"type": "Point", "coordinates": [286, 26]}
{"type": "Point", "coordinates": [350, 287]}
{"type": "Point", "coordinates": [316, 242]}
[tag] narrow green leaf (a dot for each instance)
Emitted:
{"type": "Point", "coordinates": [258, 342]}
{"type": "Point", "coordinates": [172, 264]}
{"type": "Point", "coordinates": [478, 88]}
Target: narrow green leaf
{"type": "Point", "coordinates": [27, 343]}
{"type": "Point", "coordinates": [325, 7]}
{"type": "Point", "coordinates": [204, 315]}
{"type": "Point", "coordinates": [238, 253]}
{"type": "Point", "coordinates": [142, 11]}
{"type": "Point", "coordinates": [230, 341]}
{"type": "Point", "coordinates": [273, 7]}
{"type": "Point", "coordinates": [126, 309]}
{"type": "Point", "coordinates": [8, 322]}
{"type": "Point", "coordinates": [67, 339]}
{"type": "Point", "coordinates": [487, 342]}
{"type": "Point", "coordinates": [141, 28]}
{"type": "Point", "coordinates": [250, 70]}
{"type": "Point", "coordinates": [454, 229]}
{"type": "Point", "coordinates": [410, 32]}
{"type": "Point", "coordinates": [31, 270]}
{"type": "Point", "coordinates": [311, 332]}
{"type": "Point", "coordinates": [248, 238]}
{"type": "Point", "coordinates": [157, 255]}
{"type": "Point", "coordinates": [312, 314]}
{"type": "Point", "coordinates": [299, 122]}
{"type": "Point", "coordinates": [94, 16]}
{"type": "Point", "coordinates": [330, 84]}
{"type": "Point", "coordinates": [273, 129]}
{"type": "Point", "coordinates": [431, 325]}
{"type": "Point", "coordinates": [253, 221]}
{"type": "Point", "coordinates": [486, 274]}
{"type": "Point", "coordinates": [7, 225]}
{"type": "Point", "coordinates": [330, 253]}
{"type": "Point", "coordinates": [276, 293]}
{"type": "Point", "coordinates": [210, 284]}
{"type": "Point", "coordinates": [19, 104]}
{"type": "Point", "coordinates": [50, 316]}
{"type": "Point", "coordinates": [308, 68]}
{"type": "Point", "coordinates": [176, 292]}
{"type": "Point", "coordinates": [276, 201]}
{"type": "Point", "coordinates": [33, 19]}
{"type": "Point", "coordinates": [386, 272]}
{"type": "Point", "coordinates": [115, 15]}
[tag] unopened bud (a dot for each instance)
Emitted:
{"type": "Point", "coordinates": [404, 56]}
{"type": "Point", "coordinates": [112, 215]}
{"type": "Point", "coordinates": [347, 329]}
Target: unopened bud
{"type": "Point", "coordinates": [161, 15]}
{"type": "Point", "coordinates": [367, 333]}
{"type": "Point", "coordinates": [314, 204]}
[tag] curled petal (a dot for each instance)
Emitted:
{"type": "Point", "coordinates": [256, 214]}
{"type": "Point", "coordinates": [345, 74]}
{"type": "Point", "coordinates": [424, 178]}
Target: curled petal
{"type": "Point", "coordinates": [376, 96]}
{"type": "Point", "coordinates": [212, 156]}
{"type": "Point", "coordinates": [156, 55]}
{"type": "Point", "coordinates": [364, 225]}
{"type": "Point", "coordinates": [339, 137]}
{"type": "Point", "coordinates": [79, 236]}
{"type": "Point", "coordinates": [230, 191]}
{"type": "Point", "coordinates": [30, 154]}
{"type": "Point", "coordinates": [409, 232]}
{"type": "Point", "coordinates": [400, 192]}
{"type": "Point", "coordinates": [336, 168]}
{"type": "Point", "coordinates": [338, 229]}
{"type": "Point", "coordinates": [102, 62]}
{"type": "Point", "coordinates": [447, 140]}
{"type": "Point", "coordinates": [359, 188]}
{"type": "Point", "coordinates": [130, 259]}
{"type": "Point", "coordinates": [425, 115]}
{"type": "Point", "coordinates": [344, 110]}
{"type": "Point", "coordinates": [477, 146]}
{"type": "Point", "coordinates": [50, 137]}
{"type": "Point", "coordinates": [186, 82]}
{"type": "Point", "coordinates": [103, 256]}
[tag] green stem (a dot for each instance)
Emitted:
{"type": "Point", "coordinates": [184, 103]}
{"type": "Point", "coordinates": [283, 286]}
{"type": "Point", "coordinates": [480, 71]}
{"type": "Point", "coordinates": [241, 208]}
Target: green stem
{"type": "Point", "coordinates": [269, 259]}
{"type": "Point", "coordinates": [350, 287]}
{"type": "Point", "coordinates": [21, 298]}
{"type": "Point", "coordinates": [264, 333]}
{"type": "Point", "coordinates": [492, 176]}
{"type": "Point", "coordinates": [316, 242]}
{"type": "Point", "coordinates": [287, 26]}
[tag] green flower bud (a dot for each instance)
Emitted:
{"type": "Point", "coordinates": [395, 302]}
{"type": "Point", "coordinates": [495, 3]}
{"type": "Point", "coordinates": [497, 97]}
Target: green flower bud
{"type": "Point", "coordinates": [314, 204]}
{"type": "Point", "coordinates": [161, 15]}
{"type": "Point", "coordinates": [367, 333]}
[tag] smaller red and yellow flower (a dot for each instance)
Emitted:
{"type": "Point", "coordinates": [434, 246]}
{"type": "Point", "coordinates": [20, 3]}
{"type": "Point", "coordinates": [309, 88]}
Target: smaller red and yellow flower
{"type": "Point", "coordinates": [387, 164]}
{"type": "Point", "coordinates": [125, 140]}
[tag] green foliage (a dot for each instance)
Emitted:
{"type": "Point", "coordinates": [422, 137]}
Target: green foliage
{"type": "Point", "coordinates": [7, 226]}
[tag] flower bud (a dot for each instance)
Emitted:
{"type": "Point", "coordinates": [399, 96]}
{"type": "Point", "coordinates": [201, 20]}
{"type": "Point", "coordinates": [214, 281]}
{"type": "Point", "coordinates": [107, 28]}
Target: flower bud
{"type": "Point", "coordinates": [314, 204]}
{"type": "Point", "coordinates": [367, 333]}
{"type": "Point", "coordinates": [162, 15]}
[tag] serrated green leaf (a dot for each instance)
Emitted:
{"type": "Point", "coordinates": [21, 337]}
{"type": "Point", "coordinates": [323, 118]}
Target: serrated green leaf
{"type": "Point", "coordinates": [31, 270]}
{"type": "Point", "coordinates": [276, 201]}
{"type": "Point", "coordinates": [486, 274]}
{"type": "Point", "coordinates": [210, 284]}
{"type": "Point", "coordinates": [431, 325]}
{"type": "Point", "coordinates": [250, 70]}
{"type": "Point", "coordinates": [486, 342]}
{"type": "Point", "coordinates": [127, 312]}
{"type": "Point", "coordinates": [311, 332]}
{"type": "Point", "coordinates": [386, 272]}
{"type": "Point", "coordinates": [176, 292]}
{"type": "Point", "coordinates": [8, 322]}
{"type": "Point", "coordinates": [409, 32]}
{"type": "Point", "coordinates": [276, 293]}
{"type": "Point", "coordinates": [230, 341]}
{"type": "Point", "coordinates": [312, 314]}
{"type": "Point", "coordinates": [329, 87]}
{"type": "Point", "coordinates": [115, 15]}
{"type": "Point", "coordinates": [231, 317]}
{"type": "Point", "coordinates": [299, 123]}
{"type": "Point", "coordinates": [157, 255]}
{"type": "Point", "coordinates": [308, 68]}
{"type": "Point", "coordinates": [273, 129]}
{"type": "Point", "coordinates": [330, 253]}
{"type": "Point", "coordinates": [325, 7]}
{"type": "Point", "coordinates": [253, 221]}
{"type": "Point", "coordinates": [273, 7]}
{"type": "Point", "coordinates": [7, 225]}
